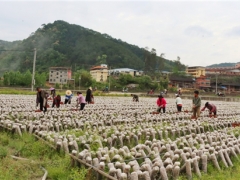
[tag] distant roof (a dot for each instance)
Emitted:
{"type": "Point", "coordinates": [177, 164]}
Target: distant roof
{"type": "Point", "coordinates": [60, 68]}
{"type": "Point", "coordinates": [195, 67]}
{"type": "Point", "coordinates": [98, 67]}
{"type": "Point", "coordinates": [234, 70]}
{"type": "Point", "coordinates": [179, 78]}
{"type": "Point", "coordinates": [122, 69]}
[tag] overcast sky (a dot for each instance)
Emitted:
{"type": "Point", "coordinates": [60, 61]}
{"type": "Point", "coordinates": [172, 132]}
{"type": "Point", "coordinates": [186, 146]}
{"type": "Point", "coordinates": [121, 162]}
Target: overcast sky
{"type": "Point", "coordinates": [199, 32]}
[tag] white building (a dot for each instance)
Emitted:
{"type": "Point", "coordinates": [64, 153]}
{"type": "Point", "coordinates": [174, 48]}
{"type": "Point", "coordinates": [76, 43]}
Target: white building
{"type": "Point", "coordinates": [119, 71]}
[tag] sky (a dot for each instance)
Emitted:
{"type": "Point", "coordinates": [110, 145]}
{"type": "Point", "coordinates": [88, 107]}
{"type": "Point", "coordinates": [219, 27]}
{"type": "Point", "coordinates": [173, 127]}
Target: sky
{"type": "Point", "coordinates": [200, 32]}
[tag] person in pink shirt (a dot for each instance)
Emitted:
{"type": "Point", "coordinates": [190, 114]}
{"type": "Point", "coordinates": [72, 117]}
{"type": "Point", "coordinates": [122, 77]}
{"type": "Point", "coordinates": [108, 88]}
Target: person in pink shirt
{"type": "Point", "coordinates": [211, 107]}
{"type": "Point", "coordinates": [81, 100]}
{"type": "Point", "coordinates": [161, 103]}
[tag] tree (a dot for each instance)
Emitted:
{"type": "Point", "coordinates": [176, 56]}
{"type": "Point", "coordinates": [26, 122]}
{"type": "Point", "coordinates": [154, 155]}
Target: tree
{"type": "Point", "coordinates": [150, 61]}
{"type": "Point", "coordinates": [102, 59]}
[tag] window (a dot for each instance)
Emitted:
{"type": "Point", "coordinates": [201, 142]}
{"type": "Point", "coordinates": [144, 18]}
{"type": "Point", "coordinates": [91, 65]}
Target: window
{"type": "Point", "coordinates": [60, 75]}
{"type": "Point", "coordinates": [60, 80]}
{"type": "Point", "coordinates": [50, 79]}
{"type": "Point", "coordinates": [65, 80]}
{"type": "Point", "coordinates": [57, 73]}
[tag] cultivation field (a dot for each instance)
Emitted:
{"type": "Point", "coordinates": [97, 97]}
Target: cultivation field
{"type": "Point", "coordinates": [120, 139]}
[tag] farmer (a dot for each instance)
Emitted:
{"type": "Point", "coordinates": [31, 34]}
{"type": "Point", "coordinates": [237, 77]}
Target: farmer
{"type": "Point", "coordinates": [56, 101]}
{"type": "Point", "coordinates": [89, 95]}
{"type": "Point", "coordinates": [211, 107]}
{"type": "Point", "coordinates": [68, 97]}
{"type": "Point", "coordinates": [178, 103]}
{"type": "Point", "coordinates": [196, 105]}
{"type": "Point", "coordinates": [42, 99]}
{"type": "Point", "coordinates": [135, 98]}
{"type": "Point", "coordinates": [161, 103]}
{"type": "Point", "coordinates": [81, 100]}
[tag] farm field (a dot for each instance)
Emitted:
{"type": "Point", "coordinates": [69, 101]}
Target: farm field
{"type": "Point", "coordinates": [116, 138]}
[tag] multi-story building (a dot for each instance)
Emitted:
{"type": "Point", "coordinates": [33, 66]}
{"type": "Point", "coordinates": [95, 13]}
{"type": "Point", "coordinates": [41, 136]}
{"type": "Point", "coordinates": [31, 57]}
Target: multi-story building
{"type": "Point", "coordinates": [60, 75]}
{"type": "Point", "coordinates": [196, 71]}
{"type": "Point", "coordinates": [203, 82]}
{"type": "Point", "coordinates": [99, 73]}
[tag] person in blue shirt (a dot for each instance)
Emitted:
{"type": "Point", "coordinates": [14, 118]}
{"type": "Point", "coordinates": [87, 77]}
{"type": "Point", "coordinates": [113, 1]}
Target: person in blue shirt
{"type": "Point", "coordinates": [68, 97]}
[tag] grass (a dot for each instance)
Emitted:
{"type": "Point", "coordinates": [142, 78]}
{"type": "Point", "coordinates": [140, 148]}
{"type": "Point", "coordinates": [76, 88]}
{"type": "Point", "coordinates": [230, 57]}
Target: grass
{"type": "Point", "coordinates": [16, 91]}
{"type": "Point", "coordinates": [39, 155]}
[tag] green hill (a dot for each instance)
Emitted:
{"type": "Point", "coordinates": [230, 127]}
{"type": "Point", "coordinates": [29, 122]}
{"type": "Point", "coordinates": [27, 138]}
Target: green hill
{"type": "Point", "coordinates": [223, 65]}
{"type": "Point", "coordinates": [64, 44]}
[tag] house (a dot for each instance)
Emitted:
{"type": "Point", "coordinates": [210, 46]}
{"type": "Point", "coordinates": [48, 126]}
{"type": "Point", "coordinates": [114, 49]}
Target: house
{"type": "Point", "coordinates": [100, 73]}
{"type": "Point", "coordinates": [203, 82]}
{"type": "Point", "coordinates": [196, 71]}
{"type": "Point", "coordinates": [227, 87]}
{"type": "Point", "coordinates": [60, 75]}
{"type": "Point", "coordinates": [132, 72]}
{"type": "Point", "coordinates": [181, 82]}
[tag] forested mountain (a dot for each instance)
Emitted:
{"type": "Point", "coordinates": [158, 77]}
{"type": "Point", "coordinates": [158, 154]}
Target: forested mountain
{"type": "Point", "coordinates": [64, 44]}
{"type": "Point", "coordinates": [223, 65]}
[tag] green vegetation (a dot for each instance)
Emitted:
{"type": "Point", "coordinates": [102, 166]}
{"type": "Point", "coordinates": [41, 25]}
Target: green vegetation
{"type": "Point", "coordinates": [36, 155]}
{"type": "Point", "coordinates": [223, 65]}
{"type": "Point", "coordinates": [64, 44]}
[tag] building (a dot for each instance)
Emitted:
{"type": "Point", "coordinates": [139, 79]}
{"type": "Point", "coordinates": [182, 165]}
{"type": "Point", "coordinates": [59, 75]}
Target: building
{"type": "Point", "coordinates": [132, 72]}
{"type": "Point", "coordinates": [237, 66]}
{"type": "Point", "coordinates": [196, 71]}
{"type": "Point", "coordinates": [99, 73]}
{"type": "Point", "coordinates": [60, 75]}
{"type": "Point", "coordinates": [203, 82]}
{"type": "Point", "coordinates": [181, 82]}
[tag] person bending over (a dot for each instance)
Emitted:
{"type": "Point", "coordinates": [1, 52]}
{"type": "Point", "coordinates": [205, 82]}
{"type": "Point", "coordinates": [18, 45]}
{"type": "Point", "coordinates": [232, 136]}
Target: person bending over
{"type": "Point", "coordinates": [161, 103]}
{"type": "Point", "coordinates": [211, 107]}
{"type": "Point", "coordinates": [135, 98]}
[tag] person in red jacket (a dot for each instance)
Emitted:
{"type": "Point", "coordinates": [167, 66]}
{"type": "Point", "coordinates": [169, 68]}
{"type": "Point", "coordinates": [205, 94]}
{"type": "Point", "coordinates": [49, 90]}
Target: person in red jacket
{"type": "Point", "coordinates": [211, 107]}
{"type": "Point", "coordinates": [161, 103]}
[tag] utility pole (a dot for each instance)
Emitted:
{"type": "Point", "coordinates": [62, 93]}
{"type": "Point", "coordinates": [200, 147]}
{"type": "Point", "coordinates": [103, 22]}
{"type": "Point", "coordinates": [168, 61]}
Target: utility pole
{"type": "Point", "coordinates": [216, 83]}
{"type": "Point", "coordinates": [33, 73]}
{"type": "Point", "coordinates": [109, 73]}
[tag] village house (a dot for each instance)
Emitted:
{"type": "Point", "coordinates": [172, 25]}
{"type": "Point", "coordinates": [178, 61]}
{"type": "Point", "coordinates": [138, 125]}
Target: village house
{"type": "Point", "coordinates": [203, 82]}
{"type": "Point", "coordinates": [181, 82]}
{"type": "Point", "coordinates": [60, 75]}
{"type": "Point", "coordinates": [100, 73]}
{"type": "Point", "coordinates": [196, 71]}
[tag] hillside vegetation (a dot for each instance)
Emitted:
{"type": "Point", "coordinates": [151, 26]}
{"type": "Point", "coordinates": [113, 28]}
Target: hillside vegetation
{"type": "Point", "coordinates": [226, 64]}
{"type": "Point", "coordinates": [64, 44]}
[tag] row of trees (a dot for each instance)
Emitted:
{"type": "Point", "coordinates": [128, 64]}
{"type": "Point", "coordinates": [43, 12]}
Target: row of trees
{"type": "Point", "coordinates": [17, 78]}
{"type": "Point", "coordinates": [83, 79]}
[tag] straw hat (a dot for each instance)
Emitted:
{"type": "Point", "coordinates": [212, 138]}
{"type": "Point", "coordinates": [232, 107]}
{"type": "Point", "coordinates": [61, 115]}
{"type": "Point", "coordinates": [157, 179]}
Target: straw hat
{"type": "Point", "coordinates": [68, 92]}
{"type": "Point", "coordinates": [52, 89]}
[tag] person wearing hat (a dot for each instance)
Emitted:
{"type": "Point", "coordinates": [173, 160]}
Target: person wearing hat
{"type": "Point", "coordinates": [211, 107]}
{"type": "Point", "coordinates": [89, 95]}
{"type": "Point", "coordinates": [161, 103]}
{"type": "Point", "coordinates": [42, 97]}
{"type": "Point", "coordinates": [178, 102]}
{"type": "Point", "coordinates": [53, 92]}
{"type": "Point", "coordinates": [81, 100]}
{"type": "Point", "coordinates": [68, 97]}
